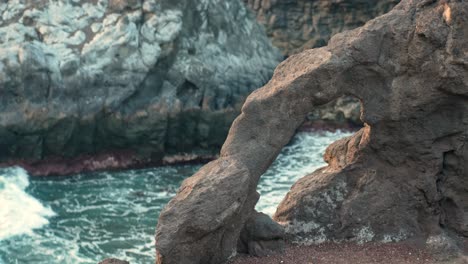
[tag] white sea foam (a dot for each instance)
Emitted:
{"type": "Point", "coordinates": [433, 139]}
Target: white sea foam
{"type": "Point", "coordinates": [20, 213]}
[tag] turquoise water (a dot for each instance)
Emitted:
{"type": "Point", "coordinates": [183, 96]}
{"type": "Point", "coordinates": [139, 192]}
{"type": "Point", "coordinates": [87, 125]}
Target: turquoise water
{"type": "Point", "coordinates": [85, 218]}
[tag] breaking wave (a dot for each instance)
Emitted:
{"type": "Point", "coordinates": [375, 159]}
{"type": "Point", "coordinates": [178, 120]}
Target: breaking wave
{"type": "Point", "coordinates": [20, 213]}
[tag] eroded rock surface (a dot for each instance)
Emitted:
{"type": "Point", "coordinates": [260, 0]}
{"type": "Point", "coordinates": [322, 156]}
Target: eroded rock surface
{"type": "Point", "coordinates": [294, 26]}
{"type": "Point", "coordinates": [297, 25]}
{"type": "Point", "coordinates": [81, 77]}
{"type": "Point", "coordinates": [403, 175]}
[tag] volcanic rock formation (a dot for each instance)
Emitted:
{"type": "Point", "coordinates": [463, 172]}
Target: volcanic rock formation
{"type": "Point", "coordinates": [403, 175]}
{"type": "Point", "coordinates": [149, 76]}
{"type": "Point", "coordinates": [294, 26]}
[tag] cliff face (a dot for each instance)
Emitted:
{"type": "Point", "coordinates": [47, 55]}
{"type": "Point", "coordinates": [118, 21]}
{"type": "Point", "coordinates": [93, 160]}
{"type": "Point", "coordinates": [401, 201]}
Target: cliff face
{"type": "Point", "coordinates": [296, 25]}
{"type": "Point", "coordinates": [81, 77]}
{"type": "Point", "coordinates": [404, 175]}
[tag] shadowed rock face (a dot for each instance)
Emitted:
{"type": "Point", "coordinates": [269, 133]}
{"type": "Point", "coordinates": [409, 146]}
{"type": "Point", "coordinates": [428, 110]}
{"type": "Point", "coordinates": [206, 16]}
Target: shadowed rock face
{"type": "Point", "coordinates": [403, 175]}
{"type": "Point", "coordinates": [296, 25]}
{"type": "Point", "coordinates": [261, 236]}
{"type": "Point", "coordinates": [81, 77]}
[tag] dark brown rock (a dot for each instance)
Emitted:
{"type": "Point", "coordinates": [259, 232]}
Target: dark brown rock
{"type": "Point", "coordinates": [294, 26]}
{"type": "Point", "coordinates": [263, 248]}
{"type": "Point", "coordinates": [403, 175]}
{"type": "Point", "coordinates": [113, 261]}
{"type": "Point", "coordinates": [261, 236]}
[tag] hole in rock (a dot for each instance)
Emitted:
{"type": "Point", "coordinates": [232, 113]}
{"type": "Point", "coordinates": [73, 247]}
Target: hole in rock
{"type": "Point", "coordinates": [304, 153]}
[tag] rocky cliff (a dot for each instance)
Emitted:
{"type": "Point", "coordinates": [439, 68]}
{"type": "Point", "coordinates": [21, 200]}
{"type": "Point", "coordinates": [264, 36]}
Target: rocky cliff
{"type": "Point", "coordinates": [404, 175]}
{"type": "Point", "coordinates": [144, 76]}
{"type": "Point", "coordinates": [296, 25]}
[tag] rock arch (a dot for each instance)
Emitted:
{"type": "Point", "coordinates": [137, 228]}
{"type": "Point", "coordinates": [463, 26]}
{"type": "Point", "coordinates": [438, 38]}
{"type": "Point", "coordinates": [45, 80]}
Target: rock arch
{"type": "Point", "coordinates": [388, 181]}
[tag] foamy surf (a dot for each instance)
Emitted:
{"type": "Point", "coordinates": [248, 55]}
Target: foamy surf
{"type": "Point", "coordinates": [20, 213]}
{"type": "Point", "coordinates": [105, 214]}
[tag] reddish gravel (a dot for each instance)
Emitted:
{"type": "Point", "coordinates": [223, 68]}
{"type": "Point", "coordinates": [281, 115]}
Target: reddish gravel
{"type": "Point", "coordinates": [346, 253]}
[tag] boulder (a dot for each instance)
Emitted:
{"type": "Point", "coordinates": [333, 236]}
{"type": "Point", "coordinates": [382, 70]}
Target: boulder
{"type": "Point", "coordinates": [403, 175]}
{"type": "Point", "coordinates": [261, 236]}
{"type": "Point", "coordinates": [152, 77]}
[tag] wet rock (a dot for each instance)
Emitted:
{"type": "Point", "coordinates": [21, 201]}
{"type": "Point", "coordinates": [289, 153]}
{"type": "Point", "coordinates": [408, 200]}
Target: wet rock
{"type": "Point", "coordinates": [261, 236]}
{"type": "Point", "coordinates": [144, 76]}
{"type": "Point", "coordinates": [400, 176]}
{"type": "Point", "coordinates": [113, 261]}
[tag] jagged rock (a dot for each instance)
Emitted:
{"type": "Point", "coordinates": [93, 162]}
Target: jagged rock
{"type": "Point", "coordinates": [403, 175]}
{"type": "Point", "coordinates": [82, 76]}
{"type": "Point", "coordinates": [261, 236]}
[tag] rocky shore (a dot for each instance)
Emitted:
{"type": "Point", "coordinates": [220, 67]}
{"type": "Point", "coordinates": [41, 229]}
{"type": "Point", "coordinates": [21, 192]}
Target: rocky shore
{"type": "Point", "coordinates": [148, 78]}
{"type": "Point", "coordinates": [346, 253]}
{"type": "Point", "coordinates": [107, 161]}
{"type": "Point", "coordinates": [111, 84]}
{"type": "Point", "coordinates": [401, 177]}
{"type": "Point", "coordinates": [153, 78]}
{"type": "Point", "coordinates": [131, 159]}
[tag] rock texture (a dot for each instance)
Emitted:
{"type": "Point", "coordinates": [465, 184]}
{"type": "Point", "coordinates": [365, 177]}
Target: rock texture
{"type": "Point", "coordinates": [344, 112]}
{"type": "Point", "coordinates": [403, 175]}
{"type": "Point", "coordinates": [81, 77]}
{"type": "Point", "coordinates": [294, 26]}
{"type": "Point", "coordinates": [297, 25]}
{"type": "Point", "coordinates": [261, 236]}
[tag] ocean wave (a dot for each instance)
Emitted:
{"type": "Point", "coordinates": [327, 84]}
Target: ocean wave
{"type": "Point", "coordinates": [20, 213]}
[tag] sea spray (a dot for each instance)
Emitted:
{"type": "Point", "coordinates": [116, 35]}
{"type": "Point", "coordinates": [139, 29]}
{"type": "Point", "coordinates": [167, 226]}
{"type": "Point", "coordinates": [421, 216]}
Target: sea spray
{"type": "Point", "coordinates": [20, 213]}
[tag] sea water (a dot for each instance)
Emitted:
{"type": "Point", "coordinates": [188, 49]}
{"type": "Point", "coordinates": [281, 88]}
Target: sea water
{"type": "Point", "coordinates": [85, 218]}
